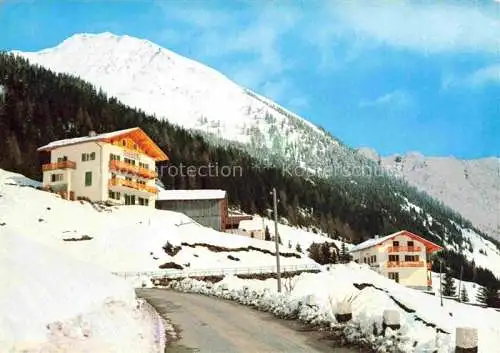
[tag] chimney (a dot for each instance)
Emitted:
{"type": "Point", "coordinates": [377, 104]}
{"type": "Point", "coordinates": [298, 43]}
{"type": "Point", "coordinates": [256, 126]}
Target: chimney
{"type": "Point", "coordinates": [92, 133]}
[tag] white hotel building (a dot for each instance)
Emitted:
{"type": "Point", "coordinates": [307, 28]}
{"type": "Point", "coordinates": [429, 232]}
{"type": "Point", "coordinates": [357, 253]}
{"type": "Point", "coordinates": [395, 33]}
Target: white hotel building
{"type": "Point", "coordinates": [116, 167]}
{"type": "Point", "coordinates": [402, 256]}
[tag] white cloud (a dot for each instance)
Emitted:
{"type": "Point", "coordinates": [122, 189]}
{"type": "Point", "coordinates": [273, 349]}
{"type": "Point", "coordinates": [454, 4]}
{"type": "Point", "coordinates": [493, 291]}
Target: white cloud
{"type": "Point", "coordinates": [481, 77]}
{"type": "Point", "coordinates": [398, 98]}
{"type": "Point", "coordinates": [430, 27]}
{"type": "Point", "coordinates": [486, 75]}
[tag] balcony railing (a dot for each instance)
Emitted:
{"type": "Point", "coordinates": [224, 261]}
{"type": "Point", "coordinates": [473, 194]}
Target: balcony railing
{"type": "Point", "coordinates": [133, 185]}
{"type": "Point", "coordinates": [405, 264]}
{"type": "Point", "coordinates": [58, 165]}
{"type": "Point", "coordinates": [133, 169]}
{"type": "Point", "coordinates": [404, 249]}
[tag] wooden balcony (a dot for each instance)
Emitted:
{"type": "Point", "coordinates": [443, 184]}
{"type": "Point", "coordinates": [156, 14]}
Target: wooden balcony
{"type": "Point", "coordinates": [132, 169]}
{"type": "Point", "coordinates": [132, 185]}
{"type": "Point", "coordinates": [58, 165]}
{"type": "Point", "coordinates": [405, 264]}
{"type": "Point", "coordinates": [404, 249]}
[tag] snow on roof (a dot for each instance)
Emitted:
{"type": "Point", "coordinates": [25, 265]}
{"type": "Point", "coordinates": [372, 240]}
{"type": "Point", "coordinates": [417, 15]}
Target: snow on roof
{"type": "Point", "coordinates": [371, 242]}
{"type": "Point", "coordinates": [429, 245]}
{"type": "Point", "coordinates": [199, 194]}
{"type": "Point", "coordinates": [83, 139]}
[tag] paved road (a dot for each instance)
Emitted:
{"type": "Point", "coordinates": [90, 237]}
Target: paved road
{"type": "Point", "coordinates": [211, 325]}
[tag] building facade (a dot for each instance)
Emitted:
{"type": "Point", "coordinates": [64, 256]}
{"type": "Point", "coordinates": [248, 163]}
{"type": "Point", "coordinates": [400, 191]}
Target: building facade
{"type": "Point", "coordinates": [403, 257]}
{"type": "Point", "coordinates": [116, 167]}
{"type": "Point", "coordinates": [206, 207]}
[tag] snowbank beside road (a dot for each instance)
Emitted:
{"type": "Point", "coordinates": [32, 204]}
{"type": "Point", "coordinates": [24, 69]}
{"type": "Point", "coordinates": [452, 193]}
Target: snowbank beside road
{"type": "Point", "coordinates": [52, 303]}
{"type": "Point", "coordinates": [316, 298]}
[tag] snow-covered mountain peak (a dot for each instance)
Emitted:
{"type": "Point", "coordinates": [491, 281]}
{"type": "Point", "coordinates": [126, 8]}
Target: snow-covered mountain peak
{"type": "Point", "coordinates": [160, 82]}
{"type": "Point", "coordinates": [468, 186]}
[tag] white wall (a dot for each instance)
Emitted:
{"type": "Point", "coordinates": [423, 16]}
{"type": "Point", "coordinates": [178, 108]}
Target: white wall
{"type": "Point", "coordinates": [409, 276]}
{"type": "Point", "coordinates": [101, 174]}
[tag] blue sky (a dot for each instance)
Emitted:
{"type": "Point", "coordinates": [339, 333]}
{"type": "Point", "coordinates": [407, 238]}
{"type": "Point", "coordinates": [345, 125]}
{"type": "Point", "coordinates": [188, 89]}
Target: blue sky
{"type": "Point", "coordinates": [396, 76]}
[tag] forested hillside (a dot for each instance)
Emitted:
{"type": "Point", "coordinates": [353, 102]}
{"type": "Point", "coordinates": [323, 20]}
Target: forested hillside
{"type": "Point", "coordinates": [38, 106]}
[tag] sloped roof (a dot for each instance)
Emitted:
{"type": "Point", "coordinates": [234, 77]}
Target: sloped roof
{"type": "Point", "coordinates": [430, 246]}
{"type": "Point", "coordinates": [135, 133]}
{"type": "Point", "coordinates": [198, 194]}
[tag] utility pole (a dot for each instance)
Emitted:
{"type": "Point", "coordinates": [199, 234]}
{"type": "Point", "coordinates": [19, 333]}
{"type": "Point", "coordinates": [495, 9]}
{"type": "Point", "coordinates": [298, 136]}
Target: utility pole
{"type": "Point", "coordinates": [460, 284]}
{"type": "Point", "coordinates": [276, 240]}
{"type": "Point", "coordinates": [441, 281]}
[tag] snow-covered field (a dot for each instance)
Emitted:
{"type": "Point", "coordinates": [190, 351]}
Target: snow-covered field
{"type": "Point", "coordinates": [316, 298]}
{"type": "Point", "coordinates": [127, 238]}
{"type": "Point", "coordinates": [52, 303]}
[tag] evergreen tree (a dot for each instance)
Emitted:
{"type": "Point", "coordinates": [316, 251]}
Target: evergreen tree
{"type": "Point", "coordinates": [298, 248]}
{"type": "Point", "coordinates": [449, 288]}
{"type": "Point", "coordinates": [488, 296]}
{"type": "Point", "coordinates": [464, 297]}
{"type": "Point", "coordinates": [267, 234]}
{"type": "Point", "coordinates": [344, 254]}
{"type": "Point", "coordinates": [315, 252]}
{"type": "Point", "coordinates": [289, 244]}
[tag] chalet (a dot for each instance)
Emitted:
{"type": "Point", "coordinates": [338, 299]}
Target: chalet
{"type": "Point", "coordinates": [403, 257]}
{"type": "Point", "coordinates": [116, 167]}
{"type": "Point", "coordinates": [207, 207]}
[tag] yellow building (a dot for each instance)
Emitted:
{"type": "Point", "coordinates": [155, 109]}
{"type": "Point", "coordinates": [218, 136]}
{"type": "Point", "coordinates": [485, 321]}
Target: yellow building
{"type": "Point", "coordinates": [402, 256]}
{"type": "Point", "coordinates": [116, 167]}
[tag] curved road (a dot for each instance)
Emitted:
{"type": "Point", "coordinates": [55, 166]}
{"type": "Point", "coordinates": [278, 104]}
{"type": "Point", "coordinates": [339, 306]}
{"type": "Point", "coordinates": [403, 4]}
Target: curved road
{"type": "Point", "coordinates": [211, 325]}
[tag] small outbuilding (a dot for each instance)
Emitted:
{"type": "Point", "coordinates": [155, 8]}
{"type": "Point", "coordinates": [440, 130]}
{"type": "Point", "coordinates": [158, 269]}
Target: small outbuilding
{"type": "Point", "coordinates": [208, 207]}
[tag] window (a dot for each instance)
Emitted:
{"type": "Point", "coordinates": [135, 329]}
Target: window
{"type": "Point", "coordinates": [143, 165]}
{"type": "Point", "coordinates": [128, 178]}
{"type": "Point", "coordinates": [88, 157]}
{"type": "Point", "coordinates": [129, 161]}
{"type": "Point", "coordinates": [88, 178]}
{"type": "Point", "coordinates": [56, 177]}
{"type": "Point", "coordinates": [394, 276]}
{"type": "Point", "coordinates": [395, 243]}
{"type": "Point", "coordinates": [114, 157]}
{"type": "Point", "coordinates": [124, 143]}
{"type": "Point", "coordinates": [394, 258]}
{"type": "Point", "coordinates": [129, 199]}
{"type": "Point", "coordinates": [143, 201]}
{"type": "Point", "coordinates": [114, 195]}
{"type": "Point", "coordinates": [411, 258]}
{"type": "Point", "coordinates": [374, 258]}
{"type": "Point", "coordinates": [62, 159]}
{"type": "Point", "coordinates": [410, 243]}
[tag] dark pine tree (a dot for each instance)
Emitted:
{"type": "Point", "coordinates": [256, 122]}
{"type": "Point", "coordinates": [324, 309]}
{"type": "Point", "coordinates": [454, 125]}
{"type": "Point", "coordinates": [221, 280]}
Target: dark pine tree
{"type": "Point", "coordinates": [449, 288]}
{"type": "Point", "coordinates": [464, 297]}
{"type": "Point", "coordinates": [488, 296]}
{"type": "Point", "coordinates": [267, 234]}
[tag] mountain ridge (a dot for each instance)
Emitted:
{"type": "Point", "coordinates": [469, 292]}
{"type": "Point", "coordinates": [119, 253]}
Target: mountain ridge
{"type": "Point", "coordinates": [469, 186]}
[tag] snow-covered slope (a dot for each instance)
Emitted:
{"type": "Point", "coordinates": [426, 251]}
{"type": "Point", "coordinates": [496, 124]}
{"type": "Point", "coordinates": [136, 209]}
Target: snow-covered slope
{"type": "Point", "coordinates": [144, 75]}
{"type": "Point", "coordinates": [128, 238]}
{"type": "Point", "coordinates": [52, 303]}
{"type": "Point", "coordinates": [471, 187]}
